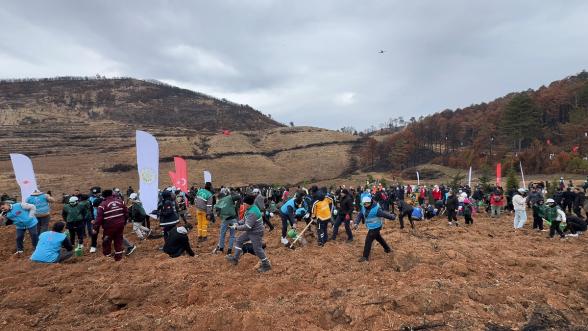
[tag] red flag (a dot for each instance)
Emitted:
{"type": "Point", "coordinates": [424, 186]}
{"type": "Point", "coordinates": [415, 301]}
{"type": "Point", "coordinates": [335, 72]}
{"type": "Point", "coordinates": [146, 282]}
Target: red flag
{"type": "Point", "coordinates": [227, 132]}
{"type": "Point", "coordinates": [179, 178]}
{"type": "Point", "coordinates": [498, 174]}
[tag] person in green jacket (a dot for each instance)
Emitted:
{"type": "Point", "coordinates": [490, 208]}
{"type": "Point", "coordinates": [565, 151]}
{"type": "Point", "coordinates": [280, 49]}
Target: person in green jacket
{"type": "Point", "coordinates": [554, 216]}
{"type": "Point", "coordinates": [253, 231]}
{"type": "Point", "coordinates": [226, 209]}
{"type": "Point", "coordinates": [74, 215]}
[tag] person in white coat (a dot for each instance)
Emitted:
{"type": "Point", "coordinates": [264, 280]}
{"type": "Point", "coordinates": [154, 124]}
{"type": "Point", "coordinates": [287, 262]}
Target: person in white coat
{"type": "Point", "coordinates": [519, 203]}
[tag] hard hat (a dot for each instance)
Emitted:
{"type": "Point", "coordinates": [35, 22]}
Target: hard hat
{"type": "Point", "coordinates": [133, 196]}
{"type": "Point", "coordinates": [366, 199]}
{"type": "Point", "coordinates": [255, 191]}
{"type": "Point", "coordinates": [550, 201]}
{"type": "Point", "coordinates": [73, 199]}
{"type": "Point", "coordinates": [522, 190]}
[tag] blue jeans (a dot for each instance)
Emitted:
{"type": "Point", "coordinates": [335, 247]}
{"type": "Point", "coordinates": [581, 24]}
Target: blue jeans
{"type": "Point", "coordinates": [223, 231]}
{"type": "Point", "coordinates": [20, 233]}
{"type": "Point", "coordinates": [43, 224]}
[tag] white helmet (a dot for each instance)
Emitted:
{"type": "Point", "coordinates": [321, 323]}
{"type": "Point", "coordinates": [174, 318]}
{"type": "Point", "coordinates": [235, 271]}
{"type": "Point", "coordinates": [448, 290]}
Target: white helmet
{"type": "Point", "coordinates": [366, 199]}
{"type": "Point", "coordinates": [133, 196]}
{"type": "Point", "coordinates": [255, 191]}
{"type": "Point", "coordinates": [522, 190]}
{"type": "Point", "coordinates": [550, 201]}
{"type": "Point", "coordinates": [73, 200]}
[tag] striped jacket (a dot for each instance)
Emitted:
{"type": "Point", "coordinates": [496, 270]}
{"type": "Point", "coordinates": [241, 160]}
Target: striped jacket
{"type": "Point", "coordinates": [111, 212]}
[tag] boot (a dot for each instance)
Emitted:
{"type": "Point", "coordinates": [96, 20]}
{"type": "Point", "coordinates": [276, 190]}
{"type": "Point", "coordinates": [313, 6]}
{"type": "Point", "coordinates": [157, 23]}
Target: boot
{"type": "Point", "coordinates": [232, 260]}
{"type": "Point", "coordinates": [229, 251]}
{"type": "Point", "coordinates": [265, 266]}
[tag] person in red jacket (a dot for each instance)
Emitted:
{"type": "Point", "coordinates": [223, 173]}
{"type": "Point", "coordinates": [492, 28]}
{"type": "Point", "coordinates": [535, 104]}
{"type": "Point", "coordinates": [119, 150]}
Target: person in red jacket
{"type": "Point", "coordinates": [112, 215]}
{"type": "Point", "coordinates": [436, 193]}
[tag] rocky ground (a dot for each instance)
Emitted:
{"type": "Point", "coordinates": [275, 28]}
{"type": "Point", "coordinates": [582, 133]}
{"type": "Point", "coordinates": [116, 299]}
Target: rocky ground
{"type": "Point", "coordinates": [478, 277]}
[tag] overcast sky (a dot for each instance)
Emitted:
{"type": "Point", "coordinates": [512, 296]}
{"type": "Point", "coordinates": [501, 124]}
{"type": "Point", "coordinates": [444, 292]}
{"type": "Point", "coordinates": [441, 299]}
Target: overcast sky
{"type": "Point", "coordinates": [311, 62]}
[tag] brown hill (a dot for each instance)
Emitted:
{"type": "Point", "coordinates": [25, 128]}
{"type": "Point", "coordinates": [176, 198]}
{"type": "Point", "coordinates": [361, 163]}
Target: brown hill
{"type": "Point", "coordinates": [81, 132]}
{"type": "Point", "coordinates": [122, 100]}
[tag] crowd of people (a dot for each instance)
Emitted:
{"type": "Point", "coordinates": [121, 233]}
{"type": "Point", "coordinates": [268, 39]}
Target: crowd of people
{"type": "Point", "coordinates": [249, 210]}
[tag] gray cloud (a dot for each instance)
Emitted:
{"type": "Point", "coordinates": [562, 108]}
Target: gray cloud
{"type": "Point", "coordinates": [310, 62]}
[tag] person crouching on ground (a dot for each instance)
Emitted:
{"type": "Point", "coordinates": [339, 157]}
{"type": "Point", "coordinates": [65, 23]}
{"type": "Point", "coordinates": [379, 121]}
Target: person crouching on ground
{"type": "Point", "coordinates": [178, 243]}
{"type": "Point", "coordinates": [371, 213]}
{"type": "Point", "coordinates": [54, 246]}
{"type": "Point", "coordinates": [137, 215]}
{"type": "Point", "coordinates": [253, 231]}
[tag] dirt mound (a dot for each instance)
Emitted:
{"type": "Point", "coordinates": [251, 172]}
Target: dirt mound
{"type": "Point", "coordinates": [484, 277]}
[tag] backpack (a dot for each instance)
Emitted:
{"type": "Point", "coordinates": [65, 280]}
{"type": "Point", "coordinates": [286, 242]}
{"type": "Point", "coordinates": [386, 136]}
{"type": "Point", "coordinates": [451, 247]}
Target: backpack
{"type": "Point", "coordinates": [168, 210]}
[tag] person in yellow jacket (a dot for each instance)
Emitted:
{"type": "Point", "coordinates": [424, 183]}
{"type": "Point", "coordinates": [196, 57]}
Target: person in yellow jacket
{"type": "Point", "coordinates": [322, 209]}
{"type": "Point", "coordinates": [203, 203]}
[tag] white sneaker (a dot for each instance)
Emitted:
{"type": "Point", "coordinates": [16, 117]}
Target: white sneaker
{"type": "Point", "coordinates": [92, 249]}
{"type": "Point", "coordinates": [572, 235]}
{"type": "Point", "coordinates": [284, 241]}
{"type": "Point", "coordinates": [19, 253]}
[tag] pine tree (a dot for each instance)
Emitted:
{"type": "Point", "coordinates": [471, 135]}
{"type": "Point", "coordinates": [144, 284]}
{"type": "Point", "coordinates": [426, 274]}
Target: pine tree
{"type": "Point", "coordinates": [521, 120]}
{"type": "Point", "coordinates": [511, 180]}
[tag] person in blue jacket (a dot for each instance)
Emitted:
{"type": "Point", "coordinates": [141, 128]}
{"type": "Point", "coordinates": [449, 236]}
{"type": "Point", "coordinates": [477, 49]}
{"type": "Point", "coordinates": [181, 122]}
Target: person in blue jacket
{"type": "Point", "coordinates": [22, 215]}
{"type": "Point", "coordinates": [288, 215]}
{"type": "Point", "coordinates": [42, 202]}
{"type": "Point", "coordinates": [371, 213]}
{"type": "Point", "coordinates": [54, 246]}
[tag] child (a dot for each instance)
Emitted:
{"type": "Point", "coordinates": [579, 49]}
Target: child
{"type": "Point", "coordinates": [555, 216]}
{"type": "Point", "coordinates": [74, 214]}
{"type": "Point", "coordinates": [371, 213]}
{"type": "Point", "coordinates": [468, 211]}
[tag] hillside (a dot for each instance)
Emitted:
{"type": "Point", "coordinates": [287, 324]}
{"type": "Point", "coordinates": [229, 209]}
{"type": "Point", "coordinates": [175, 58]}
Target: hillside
{"type": "Point", "coordinates": [543, 128]}
{"type": "Point", "coordinates": [122, 100]}
{"type": "Point", "coordinates": [81, 132]}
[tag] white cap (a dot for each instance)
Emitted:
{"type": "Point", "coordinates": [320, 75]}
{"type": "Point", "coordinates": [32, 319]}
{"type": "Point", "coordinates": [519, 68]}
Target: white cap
{"type": "Point", "coordinates": [366, 199]}
{"type": "Point", "coordinates": [116, 189]}
{"type": "Point", "coordinates": [550, 201]}
{"type": "Point", "coordinates": [522, 190]}
{"type": "Point", "coordinates": [255, 191]}
{"type": "Point", "coordinates": [73, 199]}
{"type": "Point", "coordinates": [133, 196]}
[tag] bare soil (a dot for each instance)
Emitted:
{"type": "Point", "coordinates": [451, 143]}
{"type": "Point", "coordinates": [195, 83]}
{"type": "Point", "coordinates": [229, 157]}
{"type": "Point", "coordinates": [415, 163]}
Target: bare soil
{"type": "Point", "coordinates": [479, 277]}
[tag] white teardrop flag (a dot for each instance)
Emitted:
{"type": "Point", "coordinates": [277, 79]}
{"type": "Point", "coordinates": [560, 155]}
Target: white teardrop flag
{"type": "Point", "coordinates": [24, 173]}
{"type": "Point", "coordinates": [148, 167]}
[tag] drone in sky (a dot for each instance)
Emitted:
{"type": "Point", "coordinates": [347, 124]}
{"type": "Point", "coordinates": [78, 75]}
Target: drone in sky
{"type": "Point", "coordinates": [382, 51]}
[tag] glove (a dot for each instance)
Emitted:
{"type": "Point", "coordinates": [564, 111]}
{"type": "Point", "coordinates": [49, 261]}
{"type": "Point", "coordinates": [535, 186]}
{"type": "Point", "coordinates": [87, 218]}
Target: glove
{"type": "Point", "coordinates": [307, 215]}
{"type": "Point", "coordinates": [347, 217]}
{"type": "Point", "coordinates": [271, 214]}
{"type": "Point", "coordinates": [355, 226]}
{"type": "Point", "coordinates": [293, 225]}
{"type": "Point", "coordinates": [233, 226]}
{"type": "Point", "coordinates": [335, 212]}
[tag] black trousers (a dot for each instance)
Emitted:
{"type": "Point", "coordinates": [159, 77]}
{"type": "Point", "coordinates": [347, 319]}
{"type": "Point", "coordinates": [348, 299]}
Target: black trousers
{"type": "Point", "coordinates": [537, 221]}
{"type": "Point", "coordinates": [468, 219]}
{"type": "Point", "coordinates": [285, 222]}
{"type": "Point", "coordinates": [401, 219]}
{"type": "Point", "coordinates": [374, 234]}
{"type": "Point", "coordinates": [323, 235]}
{"type": "Point", "coordinates": [266, 221]}
{"type": "Point", "coordinates": [76, 228]}
{"type": "Point", "coordinates": [451, 215]}
{"type": "Point", "coordinates": [555, 228]}
{"type": "Point", "coordinates": [341, 219]}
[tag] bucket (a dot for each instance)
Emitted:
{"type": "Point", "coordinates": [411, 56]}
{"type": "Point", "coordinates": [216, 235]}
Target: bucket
{"type": "Point", "coordinates": [79, 251]}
